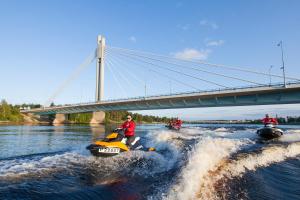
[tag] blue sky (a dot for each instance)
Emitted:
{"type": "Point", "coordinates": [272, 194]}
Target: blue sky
{"type": "Point", "coordinates": [42, 42]}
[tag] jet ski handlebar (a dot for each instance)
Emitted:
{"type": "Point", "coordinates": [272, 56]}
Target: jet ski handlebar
{"type": "Point", "coordinates": [118, 130]}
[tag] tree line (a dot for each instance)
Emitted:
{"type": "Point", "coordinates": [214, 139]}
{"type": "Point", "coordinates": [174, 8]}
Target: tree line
{"type": "Point", "coordinates": [117, 117]}
{"type": "Point", "coordinates": [11, 113]}
{"type": "Point", "coordinates": [281, 120]}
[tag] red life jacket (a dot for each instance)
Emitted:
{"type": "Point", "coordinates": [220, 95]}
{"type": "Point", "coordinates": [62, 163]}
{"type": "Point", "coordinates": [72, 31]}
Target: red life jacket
{"type": "Point", "coordinates": [130, 127]}
{"type": "Point", "coordinates": [178, 122]}
{"type": "Point", "coordinates": [269, 121]}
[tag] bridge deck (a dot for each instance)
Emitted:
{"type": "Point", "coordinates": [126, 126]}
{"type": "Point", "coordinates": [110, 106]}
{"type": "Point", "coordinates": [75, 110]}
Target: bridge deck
{"type": "Point", "coordinates": [262, 95]}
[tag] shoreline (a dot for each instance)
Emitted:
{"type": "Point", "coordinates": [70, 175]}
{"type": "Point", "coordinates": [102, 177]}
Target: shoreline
{"type": "Point", "coordinates": [9, 123]}
{"type": "Point", "coordinates": [238, 123]}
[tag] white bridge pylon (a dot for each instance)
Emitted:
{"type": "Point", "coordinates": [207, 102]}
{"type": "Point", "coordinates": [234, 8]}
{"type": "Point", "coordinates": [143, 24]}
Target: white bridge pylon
{"type": "Point", "coordinates": [197, 76]}
{"type": "Point", "coordinates": [100, 69]}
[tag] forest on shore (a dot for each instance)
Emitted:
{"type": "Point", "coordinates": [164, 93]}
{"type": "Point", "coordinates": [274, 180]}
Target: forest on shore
{"type": "Point", "coordinates": [11, 113]}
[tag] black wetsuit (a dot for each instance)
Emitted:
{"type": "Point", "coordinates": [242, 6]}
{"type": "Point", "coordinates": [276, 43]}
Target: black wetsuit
{"type": "Point", "coordinates": [130, 139]}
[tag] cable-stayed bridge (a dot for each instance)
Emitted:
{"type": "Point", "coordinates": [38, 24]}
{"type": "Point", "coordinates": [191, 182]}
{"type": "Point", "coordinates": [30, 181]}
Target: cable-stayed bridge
{"type": "Point", "coordinates": [201, 84]}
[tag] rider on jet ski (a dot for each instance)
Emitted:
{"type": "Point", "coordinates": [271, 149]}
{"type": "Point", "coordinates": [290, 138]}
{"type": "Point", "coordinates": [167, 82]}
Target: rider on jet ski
{"type": "Point", "coordinates": [269, 131]}
{"type": "Point", "coordinates": [269, 120]}
{"type": "Point", "coordinates": [129, 127]}
{"type": "Point", "coordinates": [116, 143]}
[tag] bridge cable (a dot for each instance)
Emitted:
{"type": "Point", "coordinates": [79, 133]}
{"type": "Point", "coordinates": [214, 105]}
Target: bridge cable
{"type": "Point", "coordinates": [114, 63]}
{"type": "Point", "coordinates": [131, 74]}
{"type": "Point", "coordinates": [205, 71]}
{"type": "Point", "coordinates": [206, 63]}
{"type": "Point", "coordinates": [176, 80]}
{"type": "Point", "coordinates": [178, 72]}
{"type": "Point", "coordinates": [109, 64]}
{"type": "Point", "coordinates": [73, 76]}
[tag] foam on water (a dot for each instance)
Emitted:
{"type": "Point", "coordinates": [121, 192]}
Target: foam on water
{"type": "Point", "coordinates": [290, 136]}
{"type": "Point", "coordinates": [139, 163]}
{"type": "Point", "coordinates": [18, 168]}
{"type": "Point", "coordinates": [229, 169]}
{"type": "Point", "coordinates": [222, 129]}
{"type": "Point", "coordinates": [206, 156]}
{"type": "Point", "coordinates": [170, 135]}
{"type": "Point", "coordinates": [212, 157]}
{"type": "Point", "coordinates": [210, 164]}
{"type": "Point", "coordinates": [135, 162]}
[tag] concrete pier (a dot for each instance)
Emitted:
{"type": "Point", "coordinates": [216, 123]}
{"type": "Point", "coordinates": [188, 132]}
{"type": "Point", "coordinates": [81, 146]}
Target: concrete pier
{"type": "Point", "coordinates": [31, 118]}
{"type": "Point", "coordinates": [60, 119]}
{"type": "Point", "coordinates": [98, 117]}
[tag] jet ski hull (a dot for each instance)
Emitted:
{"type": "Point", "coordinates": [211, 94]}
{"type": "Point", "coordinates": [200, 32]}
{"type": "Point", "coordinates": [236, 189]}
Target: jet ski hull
{"type": "Point", "coordinates": [115, 144]}
{"type": "Point", "coordinates": [173, 127]}
{"type": "Point", "coordinates": [102, 151]}
{"type": "Point", "coordinates": [269, 133]}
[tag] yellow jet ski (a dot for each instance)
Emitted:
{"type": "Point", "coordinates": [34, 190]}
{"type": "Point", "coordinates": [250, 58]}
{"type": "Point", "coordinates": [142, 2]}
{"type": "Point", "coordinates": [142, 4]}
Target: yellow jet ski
{"type": "Point", "coordinates": [114, 144]}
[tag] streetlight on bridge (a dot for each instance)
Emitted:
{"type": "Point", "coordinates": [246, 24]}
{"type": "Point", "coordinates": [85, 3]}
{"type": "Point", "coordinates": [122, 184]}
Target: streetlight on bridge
{"type": "Point", "coordinates": [283, 70]}
{"type": "Point", "coordinates": [270, 74]}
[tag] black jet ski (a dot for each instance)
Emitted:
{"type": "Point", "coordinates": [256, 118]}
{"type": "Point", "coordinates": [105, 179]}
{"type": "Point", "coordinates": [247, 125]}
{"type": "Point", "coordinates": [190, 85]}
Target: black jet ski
{"type": "Point", "coordinates": [173, 127]}
{"type": "Point", "coordinates": [269, 132]}
{"type": "Point", "coordinates": [114, 144]}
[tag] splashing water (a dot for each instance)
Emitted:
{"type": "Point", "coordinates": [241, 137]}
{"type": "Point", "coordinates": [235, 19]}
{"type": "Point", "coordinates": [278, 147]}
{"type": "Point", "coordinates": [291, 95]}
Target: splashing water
{"type": "Point", "coordinates": [206, 156]}
{"type": "Point", "coordinates": [229, 169]}
{"type": "Point", "coordinates": [193, 163]}
{"type": "Point", "coordinates": [291, 136]}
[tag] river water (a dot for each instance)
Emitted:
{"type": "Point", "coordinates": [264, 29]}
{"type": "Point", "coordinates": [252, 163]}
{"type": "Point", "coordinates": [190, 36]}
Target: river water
{"type": "Point", "coordinates": [198, 162]}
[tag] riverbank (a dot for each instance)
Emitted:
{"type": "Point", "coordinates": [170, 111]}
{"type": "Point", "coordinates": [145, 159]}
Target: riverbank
{"type": "Point", "coordinates": [9, 123]}
{"type": "Point", "coordinates": [11, 115]}
{"type": "Point", "coordinates": [283, 121]}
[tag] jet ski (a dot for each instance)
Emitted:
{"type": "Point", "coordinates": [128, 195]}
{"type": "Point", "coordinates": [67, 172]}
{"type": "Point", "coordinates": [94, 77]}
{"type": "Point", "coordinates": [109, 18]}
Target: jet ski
{"type": "Point", "coordinates": [269, 132]}
{"type": "Point", "coordinates": [114, 144]}
{"type": "Point", "coordinates": [174, 124]}
{"type": "Point", "coordinates": [173, 127]}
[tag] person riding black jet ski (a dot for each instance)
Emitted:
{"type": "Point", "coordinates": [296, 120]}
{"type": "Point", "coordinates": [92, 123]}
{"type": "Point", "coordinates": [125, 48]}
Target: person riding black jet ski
{"type": "Point", "coordinates": [269, 131]}
{"type": "Point", "coordinates": [129, 130]}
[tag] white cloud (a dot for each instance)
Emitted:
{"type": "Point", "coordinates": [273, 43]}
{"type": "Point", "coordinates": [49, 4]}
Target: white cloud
{"type": "Point", "coordinates": [215, 43]}
{"type": "Point", "coordinates": [190, 53]}
{"type": "Point", "coordinates": [210, 24]}
{"type": "Point", "coordinates": [132, 39]}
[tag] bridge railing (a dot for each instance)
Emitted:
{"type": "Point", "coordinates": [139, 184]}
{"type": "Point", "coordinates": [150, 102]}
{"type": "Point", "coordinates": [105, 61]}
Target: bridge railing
{"type": "Point", "coordinates": [179, 93]}
{"type": "Point", "coordinates": [202, 91]}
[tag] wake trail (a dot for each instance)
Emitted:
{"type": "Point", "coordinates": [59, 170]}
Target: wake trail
{"type": "Point", "coordinates": [135, 163]}
{"type": "Point", "coordinates": [205, 157]}
{"type": "Point", "coordinates": [229, 169]}
{"type": "Point", "coordinates": [210, 164]}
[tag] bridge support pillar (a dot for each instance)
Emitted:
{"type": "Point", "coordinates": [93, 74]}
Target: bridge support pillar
{"type": "Point", "coordinates": [36, 119]}
{"type": "Point", "coordinates": [60, 119]}
{"type": "Point", "coordinates": [98, 117]}
{"type": "Point", "coordinates": [100, 68]}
